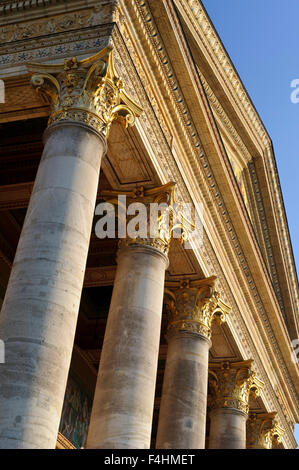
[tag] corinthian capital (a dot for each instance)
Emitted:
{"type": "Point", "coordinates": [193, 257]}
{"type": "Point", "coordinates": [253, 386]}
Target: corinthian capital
{"type": "Point", "coordinates": [86, 91]}
{"type": "Point", "coordinates": [150, 215]}
{"type": "Point", "coordinates": [263, 431]}
{"type": "Point", "coordinates": [193, 305]}
{"type": "Point", "coordinates": [232, 383]}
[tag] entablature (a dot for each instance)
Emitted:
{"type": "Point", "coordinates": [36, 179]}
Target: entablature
{"type": "Point", "coordinates": [210, 54]}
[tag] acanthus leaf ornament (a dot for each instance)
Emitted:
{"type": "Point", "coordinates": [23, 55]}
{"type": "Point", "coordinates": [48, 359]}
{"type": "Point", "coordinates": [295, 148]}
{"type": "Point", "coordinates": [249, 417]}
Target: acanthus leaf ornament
{"type": "Point", "coordinates": [193, 305]}
{"type": "Point", "coordinates": [263, 431]}
{"type": "Point", "coordinates": [86, 91]}
{"type": "Point", "coordinates": [232, 383]}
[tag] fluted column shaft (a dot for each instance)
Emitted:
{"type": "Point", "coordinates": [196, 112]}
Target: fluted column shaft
{"type": "Point", "coordinates": [182, 418]}
{"type": "Point", "coordinates": [124, 398]}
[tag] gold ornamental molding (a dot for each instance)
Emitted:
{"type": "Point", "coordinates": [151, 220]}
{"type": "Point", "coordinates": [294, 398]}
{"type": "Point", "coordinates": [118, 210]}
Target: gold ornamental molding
{"type": "Point", "coordinates": [86, 91]}
{"type": "Point", "coordinates": [211, 254]}
{"type": "Point", "coordinates": [63, 442]}
{"type": "Point", "coordinates": [231, 384]}
{"type": "Point", "coordinates": [219, 111]}
{"type": "Point", "coordinates": [192, 305]}
{"type": "Point", "coordinates": [263, 431]}
{"type": "Point", "coordinates": [14, 6]}
{"type": "Point", "coordinates": [203, 29]}
{"type": "Point", "coordinates": [36, 24]}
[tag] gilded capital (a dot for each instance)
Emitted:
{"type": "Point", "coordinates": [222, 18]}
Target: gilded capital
{"type": "Point", "coordinates": [149, 214]}
{"type": "Point", "coordinates": [231, 384]}
{"type": "Point", "coordinates": [192, 305]}
{"type": "Point", "coordinates": [263, 431]}
{"type": "Point", "coordinates": [86, 91]}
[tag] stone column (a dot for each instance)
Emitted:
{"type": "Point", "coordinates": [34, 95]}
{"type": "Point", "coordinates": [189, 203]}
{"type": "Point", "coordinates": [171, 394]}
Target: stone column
{"type": "Point", "coordinates": [263, 431]}
{"type": "Point", "coordinates": [123, 404]}
{"type": "Point", "coordinates": [230, 385]}
{"type": "Point", "coordinates": [39, 313]}
{"type": "Point", "coordinates": [192, 306]}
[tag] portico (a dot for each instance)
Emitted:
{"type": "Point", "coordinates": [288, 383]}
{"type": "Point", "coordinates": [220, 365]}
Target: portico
{"type": "Point", "coordinates": [138, 342]}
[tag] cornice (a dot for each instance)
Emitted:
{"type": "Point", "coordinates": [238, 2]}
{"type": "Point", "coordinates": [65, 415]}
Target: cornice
{"type": "Point", "coordinates": [205, 32]}
{"type": "Point", "coordinates": [222, 116]}
{"type": "Point", "coordinates": [180, 98]}
{"type": "Point", "coordinates": [65, 18]}
{"type": "Point", "coordinates": [281, 224]}
{"type": "Point", "coordinates": [12, 6]}
{"type": "Point", "coordinates": [196, 14]}
{"type": "Point", "coordinates": [88, 13]}
{"type": "Point", "coordinates": [266, 234]}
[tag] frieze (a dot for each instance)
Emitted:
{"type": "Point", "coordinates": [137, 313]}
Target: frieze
{"type": "Point", "coordinates": [64, 22]}
{"type": "Point", "coordinates": [60, 45]}
{"type": "Point", "coordinates": [193, 305]}
{"type": "Point", "coordinates": [219, 111]}
{"type": "Point", "coordinates": [264, 225]}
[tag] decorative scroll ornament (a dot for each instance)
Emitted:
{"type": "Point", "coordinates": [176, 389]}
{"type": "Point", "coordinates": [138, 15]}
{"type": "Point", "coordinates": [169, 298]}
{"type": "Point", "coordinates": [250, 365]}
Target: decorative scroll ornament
{"type": "Point", "coordinates": [232, 383]}
{"type": "Point", "coordinates": [263, 431]}
{"type": "Point", "coordinates": [86, 91]}
{"type": "Point", "coordinates": [192, 305]}
{"type": "Point", "coordinates": [158, 226]}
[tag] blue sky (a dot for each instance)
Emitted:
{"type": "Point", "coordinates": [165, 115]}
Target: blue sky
{"type": "Point", "coordinates": [262, 37]}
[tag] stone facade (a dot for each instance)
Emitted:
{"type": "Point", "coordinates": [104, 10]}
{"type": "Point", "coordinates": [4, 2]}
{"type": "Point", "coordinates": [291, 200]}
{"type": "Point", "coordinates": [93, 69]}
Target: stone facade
{"type": "Point", "coordinates": [183, 344]}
